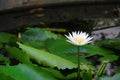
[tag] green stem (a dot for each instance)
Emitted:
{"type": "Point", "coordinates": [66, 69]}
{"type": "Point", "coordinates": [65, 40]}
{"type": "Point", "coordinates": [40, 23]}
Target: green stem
{"type": "Point", "coordinates": [100, 71]}
{"type": "Point", "coordinates": [78, 64]}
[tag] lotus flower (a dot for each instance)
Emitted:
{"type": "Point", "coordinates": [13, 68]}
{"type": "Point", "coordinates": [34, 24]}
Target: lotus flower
{"type": "Point", "coordinates": [79, 38]}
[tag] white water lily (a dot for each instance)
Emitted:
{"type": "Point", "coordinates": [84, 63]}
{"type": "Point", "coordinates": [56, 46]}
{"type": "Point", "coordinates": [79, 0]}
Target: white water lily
{"type": "Point", "coordinates": [79, 38]}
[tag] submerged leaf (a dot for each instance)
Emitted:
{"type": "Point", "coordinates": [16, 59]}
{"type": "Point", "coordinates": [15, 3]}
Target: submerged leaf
{"type": "Point", "coordinates": [46, 58]}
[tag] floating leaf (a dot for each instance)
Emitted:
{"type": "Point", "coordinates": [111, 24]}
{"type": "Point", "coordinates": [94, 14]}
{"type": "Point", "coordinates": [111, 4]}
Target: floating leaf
{"type": "Point", "coordinates": [62, 47]}
{"type": "Point", "coordinates": [109, 58]}
{"type": "Point", "coordinates": [115, 77]}
{"type": "Point", "coordinates": [35, 44]}
{"type": "Point", "coordinates": [6, 37]}
{"type": "Point", "coordinates": [68, 51]}
{"type": "Point", "coordinates": [71, 76]}
{"type": "Point", "coordinates": [5, 77]}
{"type": "Point", "coordinates": [96, 50]}
{"type": "Point", "coordinates": [54, 72]}
{"type": "Point", "coordinates": [25, 72]}
{"type": "Point", "coordinates": [37, 34]}
{"type": "Point", "coordinates": [59, 75]}
{"type": "Point", "coordinates": [1, 45]}
{"type": "Point", "coordinates": [19, 55]}
{"type": "Point", "coordinates": [86, 75]}
{"type": "Point", "coordinates": [47, 58]}
{"type": "Point", "coordinates": [110, 43]}
{"type": "Point", "coordinates": [4, 60]}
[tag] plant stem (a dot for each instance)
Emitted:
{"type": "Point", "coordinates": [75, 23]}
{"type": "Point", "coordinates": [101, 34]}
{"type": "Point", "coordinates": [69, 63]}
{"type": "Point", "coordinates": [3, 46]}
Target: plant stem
{"type": "Point", "coordinates": [78, 75]}
{"type": "Point", "coordinates": [100, 71]}
{"type": "Point", "coordinates": [19, 37]}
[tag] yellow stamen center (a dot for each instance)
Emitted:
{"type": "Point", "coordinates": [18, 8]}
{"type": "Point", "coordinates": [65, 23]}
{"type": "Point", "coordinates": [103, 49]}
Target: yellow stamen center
{"type": "Point", "coordinates": [79, 40]}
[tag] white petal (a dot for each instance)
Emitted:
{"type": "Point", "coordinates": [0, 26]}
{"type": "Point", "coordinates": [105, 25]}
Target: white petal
{"type": "Point", "coordinates": [89, 38]}
{"type": "Point", "coordinates": [80, 35]}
